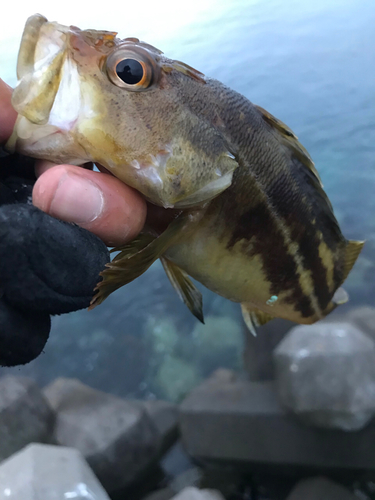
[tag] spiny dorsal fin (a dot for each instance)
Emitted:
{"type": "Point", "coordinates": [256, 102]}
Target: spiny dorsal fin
{"type": "Point", "coordinates": [135, 258]}
{"type": "Point", "coordinates": [254, 317]}
{"type": "Point", "coordinates": [291, 141]}
{"type": "Point", "coordinates": [353, 249]}
{"type": "Point", "coordinates": [185, 288]}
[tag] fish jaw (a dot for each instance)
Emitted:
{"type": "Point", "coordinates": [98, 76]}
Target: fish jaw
{"type": "Point", "coordinates": [48, 96]}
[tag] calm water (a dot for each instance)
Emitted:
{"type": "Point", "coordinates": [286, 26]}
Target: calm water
{"type": "Point", "coordinates": [309, 63]}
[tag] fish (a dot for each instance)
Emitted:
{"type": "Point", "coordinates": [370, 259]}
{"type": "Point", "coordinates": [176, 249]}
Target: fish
{"type": "Point", "coordinates": [248, 215]}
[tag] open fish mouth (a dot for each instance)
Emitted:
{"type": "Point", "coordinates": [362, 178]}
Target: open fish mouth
{"type": "Point", "coordinates": [39, 67]}
{"type": "Point", "coordinates": [48, 95]}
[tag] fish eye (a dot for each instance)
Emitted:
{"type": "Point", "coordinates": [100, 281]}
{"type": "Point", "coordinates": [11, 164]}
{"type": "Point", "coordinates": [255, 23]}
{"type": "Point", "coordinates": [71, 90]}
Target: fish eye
{"type": "Point", "coordinates": [131, 71]}
{"type": "Point", "coordinates": [132, 68]}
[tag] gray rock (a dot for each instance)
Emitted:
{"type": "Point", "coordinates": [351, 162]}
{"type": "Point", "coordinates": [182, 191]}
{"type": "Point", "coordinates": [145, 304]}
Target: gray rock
{"type": "Point", "coordinates": [117, 438]}
{"type": "Point", "coordinates": [190, 477]}
{"type": "Point", "coordinates": [44, 472]}
{"type": "Point", "coordinates": [162, 494]}
{"type": "Point", "coordinates": [192, 493]}
{"type": "Point", "coordinates": [227, 419]}
{"type": "Point", "coordinates": [319, 488]}
{"type": "Point", "coordinates": [326, 375]}
{"type": "Point", "coordinates": [176, 461]}
{"type": "Point", "coordinates": [164, 416]}
{"type": "Point", "coordinates": [364, 318]}
{"type": "Point", "coordinates": [25, 415]}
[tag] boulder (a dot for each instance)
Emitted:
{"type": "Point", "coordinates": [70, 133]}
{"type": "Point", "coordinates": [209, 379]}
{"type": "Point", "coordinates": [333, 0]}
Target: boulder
{"type": "Point", "coordinates": [320, 488]}
{"type": "Point", "coordinates": [191, 493]}
{"type": "Point", "coordinates": [163, 414]}
{"type": "Point", "coordinates": [44, 472]}
{"type": "Point", "coordinates": [364, 318]}
{"type": "Point", "coordinates": [161, 494]}
{"type": "Point", "coordinates": [190, 477]}
{"type": "Point", "coordinates": [228, 419]}
{"type": "Point", "coordinates": [117, 437]}
{"type": "Point", "coordinates": [326, 375]}
{"type": "Point", "coordinates": [25, 415]}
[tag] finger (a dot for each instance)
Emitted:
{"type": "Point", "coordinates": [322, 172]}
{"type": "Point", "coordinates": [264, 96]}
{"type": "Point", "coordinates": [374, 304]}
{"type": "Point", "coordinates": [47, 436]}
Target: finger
{"type": "Point", "coordinates": [42, 166]}
{"type": "Point", "coordinates": [98, 202]}
{"type": "Point", "coordinates": [7, 114]}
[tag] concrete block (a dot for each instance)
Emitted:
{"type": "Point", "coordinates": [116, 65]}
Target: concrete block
{"type": "Point", "coordinates": [44, 472]}
{"type": "Point", "coordinates": [326, 374]}
{"type": "Point", "coordinates": [191, 493]}
{"type": "Point", "coordinates": [227, 419]}
{"type": "Point", "coordinates": [25, 415]}
{"type": "Point", "coordinates": [320, 488]}
{"type": "Point", "coordinates": [117, 437]}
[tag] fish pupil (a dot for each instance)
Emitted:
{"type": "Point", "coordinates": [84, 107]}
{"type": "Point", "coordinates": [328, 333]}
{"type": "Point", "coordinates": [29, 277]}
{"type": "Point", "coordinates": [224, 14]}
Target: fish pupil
{"type": "Point", "coordinates": [130, 71]}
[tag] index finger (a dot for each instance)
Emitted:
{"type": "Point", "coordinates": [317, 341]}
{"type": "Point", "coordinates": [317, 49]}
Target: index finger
{"type": "Point", "coordinates": [7, 114]}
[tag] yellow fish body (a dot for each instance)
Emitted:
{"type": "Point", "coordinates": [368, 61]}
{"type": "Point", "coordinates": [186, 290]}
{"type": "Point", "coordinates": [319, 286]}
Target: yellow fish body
{"type": "Point", "coordinates": [252, 221]}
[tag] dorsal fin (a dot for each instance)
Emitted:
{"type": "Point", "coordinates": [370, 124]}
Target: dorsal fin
{"type": "Point", "coordinates": [291, 141]}
{"type": "Point", "coordinates": [353, 249]}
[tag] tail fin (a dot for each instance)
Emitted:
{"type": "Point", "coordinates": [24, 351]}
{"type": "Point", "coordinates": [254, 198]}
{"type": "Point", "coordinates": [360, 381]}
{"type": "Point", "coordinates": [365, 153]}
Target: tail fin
{"type": "Point", "coordinates": [353, 249]}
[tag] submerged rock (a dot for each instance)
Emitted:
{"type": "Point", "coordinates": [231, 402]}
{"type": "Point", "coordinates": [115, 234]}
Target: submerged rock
{"type": "Point", "coordinates": [326, 375]}
{"type": "Point", "coordinates": [25, 415]}
{"type": "Point", "coordinates": [191, 493]}
{"type": "Point", "coordinates": [320, 488]}
{"type": "Point", "coordinates": [44, 472]}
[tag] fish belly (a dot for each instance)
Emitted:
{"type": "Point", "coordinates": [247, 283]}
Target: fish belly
{"type": "Point", "coordinates": [231, 273]}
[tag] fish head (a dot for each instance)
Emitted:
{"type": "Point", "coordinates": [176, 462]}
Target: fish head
{"type": "Point", "coordinates": [86, 95]}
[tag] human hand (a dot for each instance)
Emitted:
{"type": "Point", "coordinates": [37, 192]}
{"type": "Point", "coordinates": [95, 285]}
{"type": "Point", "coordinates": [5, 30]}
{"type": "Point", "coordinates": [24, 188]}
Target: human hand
{"type": "Point", "coordinates": [48, 266]}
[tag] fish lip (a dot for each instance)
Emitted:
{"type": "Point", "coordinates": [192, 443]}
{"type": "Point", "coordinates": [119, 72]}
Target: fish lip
{"type": "Point", "coordinates": [29, 40]}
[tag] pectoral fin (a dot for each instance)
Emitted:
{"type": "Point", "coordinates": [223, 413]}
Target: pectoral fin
{"type": "Point", "coordinates": [135, 258]}
{"type": "Point", "coordinates": [185, 288]}
{"type": "Point", "coordinates": [254, 317]}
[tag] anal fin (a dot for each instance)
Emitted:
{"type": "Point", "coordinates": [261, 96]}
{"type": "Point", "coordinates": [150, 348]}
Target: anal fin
{"type": "Point", "coordinates": [340, 297]}
{"type": "Point", "coordinates": [254, 317]}
{"type": "Point", "coordinates": [185, 288]}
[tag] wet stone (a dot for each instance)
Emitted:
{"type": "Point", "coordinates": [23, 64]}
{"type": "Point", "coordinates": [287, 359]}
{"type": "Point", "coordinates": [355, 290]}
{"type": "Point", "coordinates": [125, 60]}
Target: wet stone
{"type": "Point", "coordinates": [117, 437]}
{"type": "Point", "coordinates": [164, 416]}
{"type": "Point", "coordinates": [364, 318]}
{"type": "Point", "coordinates": [161, 494]}
{"type": "Point", "coordinates": [44, 472]}
{"type": "Point", "coordinates": [191, 493]}
{"type": "Point", "coordinates": [191, 477]}
{"type": "Point", "coordinates": [231, 420]}
{"type": "Point", "coordinates": [25, 415]}
{"type": "Point", "coordinates": [320, 488]}
{"type": "Point", "coordinates": [326, 375]}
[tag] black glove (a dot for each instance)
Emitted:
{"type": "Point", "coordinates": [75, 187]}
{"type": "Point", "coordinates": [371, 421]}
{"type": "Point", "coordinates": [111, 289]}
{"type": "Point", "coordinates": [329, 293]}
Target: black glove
{"type": "Point", "coordinates": [47, 266]}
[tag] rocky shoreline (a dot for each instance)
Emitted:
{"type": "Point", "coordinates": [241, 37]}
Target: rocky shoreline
{"type": "Point", "coordinates": [306, 435]}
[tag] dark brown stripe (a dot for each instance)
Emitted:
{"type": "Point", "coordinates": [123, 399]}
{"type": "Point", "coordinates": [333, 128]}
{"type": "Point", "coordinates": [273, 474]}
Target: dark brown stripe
{"type": "Point", "coordinates": [279, 266]}
{"type": "Point", "coordinates": [298, 211]}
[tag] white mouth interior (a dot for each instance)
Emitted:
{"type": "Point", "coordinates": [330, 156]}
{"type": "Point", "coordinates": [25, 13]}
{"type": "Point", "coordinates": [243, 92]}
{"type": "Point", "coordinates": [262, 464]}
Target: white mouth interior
{"type": "Point", "coordinates": [67, 104]}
